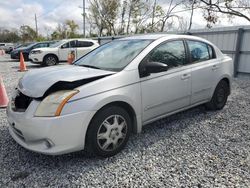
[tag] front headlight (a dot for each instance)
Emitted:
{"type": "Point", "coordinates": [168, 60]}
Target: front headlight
{"type": "Point", "coordinates": [53, 104]}
{"type": "Point", "coordinates": [36, 52]}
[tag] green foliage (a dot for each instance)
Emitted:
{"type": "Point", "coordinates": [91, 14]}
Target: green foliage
{"type": "Point", "coordinates": [71, 27]}
{"type": "Point", "coordinates": [27, 33]}
{"type": "Point", "coordinates": [66, 30]}
{"type": "Point", "coordinates": [104, 13]}
{"type": "Point", "coordinates": [9, 36]}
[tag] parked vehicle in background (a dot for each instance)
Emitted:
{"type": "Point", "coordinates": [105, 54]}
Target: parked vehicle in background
{"type": "Point", "coordinates": [23, 45]}
{"type": "Point", "coordinates": [59, 51]}
{"type": "Point", "coordinates": [115, 89]}
{"type": "Point", "coordinates": [7, 47]}
{"type": "Point", "coordinates": [15, 54]}
{"type": "Point", "coordinates": [8, 51]}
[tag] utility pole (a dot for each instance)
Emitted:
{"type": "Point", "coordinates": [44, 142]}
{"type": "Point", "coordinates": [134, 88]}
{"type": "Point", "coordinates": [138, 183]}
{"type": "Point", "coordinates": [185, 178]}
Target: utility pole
{"type": "Point", "coordinates": [83, 16]}
{"type": "Point", "coordinates": [36, 26]}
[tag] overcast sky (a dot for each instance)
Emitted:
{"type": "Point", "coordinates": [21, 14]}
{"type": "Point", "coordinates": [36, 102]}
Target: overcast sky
{"type": "Point", "coordinates": [14, 13]}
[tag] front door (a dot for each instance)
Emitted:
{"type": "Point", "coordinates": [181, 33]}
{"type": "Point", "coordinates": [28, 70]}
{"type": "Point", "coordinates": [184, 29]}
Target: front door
{"type": "Point", "coordinates": [168, 91]}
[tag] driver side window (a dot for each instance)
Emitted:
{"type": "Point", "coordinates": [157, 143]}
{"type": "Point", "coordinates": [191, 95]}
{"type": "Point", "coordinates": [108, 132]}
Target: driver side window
{"type": "Point", "coordinates": [66, 45]}
{"type": "Point", "coordinates": [170, 53]}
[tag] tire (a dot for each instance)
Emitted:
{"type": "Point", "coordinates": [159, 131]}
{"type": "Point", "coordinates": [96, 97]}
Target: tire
{"type": "Point", "coordinates": [105, 136]}
{"type": "Point", "coordinates": [220, 96]}
{"type": "Point", "coordinates": [50, 60]}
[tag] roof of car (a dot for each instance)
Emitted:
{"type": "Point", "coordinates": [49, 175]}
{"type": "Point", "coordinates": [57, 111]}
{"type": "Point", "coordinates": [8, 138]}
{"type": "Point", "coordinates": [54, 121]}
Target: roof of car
{"type": "Point", "coordinates": [148, 36]}
{"type": "Point", "coordinates": [158, 36]}
{"type": "Point", "coordinates": [82, 39]}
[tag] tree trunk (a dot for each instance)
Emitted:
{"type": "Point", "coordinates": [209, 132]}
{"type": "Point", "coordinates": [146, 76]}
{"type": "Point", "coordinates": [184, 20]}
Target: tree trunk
{"type": "Point", "coordinates": [191, 16]}
{"type": "Point", "coordinates": [129, 16]}
{"type": "Point", "coordinates": [153, 16]}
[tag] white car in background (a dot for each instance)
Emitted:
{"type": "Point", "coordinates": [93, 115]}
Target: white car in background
{"type": "Point", "coordinates": [59, 51]}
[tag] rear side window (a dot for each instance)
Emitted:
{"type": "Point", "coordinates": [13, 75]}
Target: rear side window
{"type": "Point", "coordinates": [171, 53]}
{"type": "Point", "coordinates": [200, 51]}
{"type": "Point", "coordinates": [66, 45]}
{"type": "Point", "coordinates": [41, 45]}
{"type": "Point", "coordinates": [84, 44]}
{"type": "Point", "coordinates": [71, 44]}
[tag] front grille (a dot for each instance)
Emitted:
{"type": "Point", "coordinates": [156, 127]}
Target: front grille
{"type": "Point", "coordinates": [21, 102]}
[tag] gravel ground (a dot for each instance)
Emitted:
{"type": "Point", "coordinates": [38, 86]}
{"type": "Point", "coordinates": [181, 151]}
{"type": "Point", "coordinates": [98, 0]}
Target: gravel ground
{"type": "Point", "coordinates": [194, 148]}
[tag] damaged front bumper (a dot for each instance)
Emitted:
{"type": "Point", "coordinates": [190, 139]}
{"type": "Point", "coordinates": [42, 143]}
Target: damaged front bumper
{"type": "Point", "coordinates": [49, 135]}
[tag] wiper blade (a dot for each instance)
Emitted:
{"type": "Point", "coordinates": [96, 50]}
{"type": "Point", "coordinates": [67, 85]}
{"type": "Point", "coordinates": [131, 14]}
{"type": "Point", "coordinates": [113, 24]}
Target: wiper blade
{"type": "Point", "coordinates": [90, 66]}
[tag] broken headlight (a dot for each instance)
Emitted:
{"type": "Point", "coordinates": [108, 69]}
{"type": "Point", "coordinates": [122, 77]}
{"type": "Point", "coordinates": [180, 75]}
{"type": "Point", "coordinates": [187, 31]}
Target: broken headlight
{"type": "Point", "coordinates": [53, 104]}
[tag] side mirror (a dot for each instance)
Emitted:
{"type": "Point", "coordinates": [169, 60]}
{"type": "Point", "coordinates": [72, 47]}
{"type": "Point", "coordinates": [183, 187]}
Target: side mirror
{"type": "Point", "coordinates": [155, 67]}
{"type": "Point", "coordinates": [152, 67]}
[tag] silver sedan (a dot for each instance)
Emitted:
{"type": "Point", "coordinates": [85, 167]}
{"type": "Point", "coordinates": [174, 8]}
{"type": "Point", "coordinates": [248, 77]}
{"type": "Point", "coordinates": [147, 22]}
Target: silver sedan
{"type": "Point", "coordinates": [96, 103]}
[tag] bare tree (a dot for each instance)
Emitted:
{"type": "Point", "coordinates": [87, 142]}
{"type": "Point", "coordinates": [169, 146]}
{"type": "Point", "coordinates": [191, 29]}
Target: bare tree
{"type": "Point", "coordinates": [104, 14]}
{"type": "Point", "coordinates": [230, 8]}
{"type": "Point", "coordinates": [169, 14]}
{"type": "Point", "coordinates": [123, 12]}
{"type": "Point", "coordinates": [193, 2]}
{"type": "Point", "coordinates": [153, 14]}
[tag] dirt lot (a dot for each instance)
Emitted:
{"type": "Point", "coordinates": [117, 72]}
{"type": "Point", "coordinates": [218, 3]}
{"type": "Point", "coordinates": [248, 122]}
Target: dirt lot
{"type": "Point", "coordinates": [194, 148]}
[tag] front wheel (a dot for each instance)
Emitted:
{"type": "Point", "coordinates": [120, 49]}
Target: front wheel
{"type": "Point", "coordinates": [108, 132]}
{"type": "Point", "coordinates": [220, 96]}
{"type": "Point", "coordinates": [50, 60]}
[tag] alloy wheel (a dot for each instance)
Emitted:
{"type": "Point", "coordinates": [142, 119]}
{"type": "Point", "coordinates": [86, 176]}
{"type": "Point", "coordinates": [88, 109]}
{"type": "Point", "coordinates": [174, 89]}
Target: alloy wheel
{"type": "Point", "coordinates": [112, 133]}
{"type": "Point", "coordinates": [51, 61]}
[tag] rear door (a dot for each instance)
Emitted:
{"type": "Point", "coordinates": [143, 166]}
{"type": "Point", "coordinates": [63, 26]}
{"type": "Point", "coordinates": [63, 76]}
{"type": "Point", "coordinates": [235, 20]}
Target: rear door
{"type": "Point", "coordinates": [83, 47]}
{"type": "Point", "coordinates": [167, 91]}
{"type": "Point", "coordinates": [204, 70]}
{"type": "Point", "coordinates": [65, 49]}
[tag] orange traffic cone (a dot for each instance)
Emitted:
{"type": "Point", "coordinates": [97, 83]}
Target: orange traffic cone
{"type": "Point", "coordinates": [22, 63]}
{"type": "Point", "coordinates": [71, 57]}
{"type": "Point", "coordinates": [3, 95]}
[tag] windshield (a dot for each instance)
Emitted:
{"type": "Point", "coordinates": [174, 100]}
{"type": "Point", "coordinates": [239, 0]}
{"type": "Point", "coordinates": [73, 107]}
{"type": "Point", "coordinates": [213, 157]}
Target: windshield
{"type": "Point", "coordinates": [113, 56]}
{"type": "Point", "coordinates": [29, 46]}
{"type": "Point", "coordinates": [57, 44]}
{"type": "Point", "coordinates": [26, 44]}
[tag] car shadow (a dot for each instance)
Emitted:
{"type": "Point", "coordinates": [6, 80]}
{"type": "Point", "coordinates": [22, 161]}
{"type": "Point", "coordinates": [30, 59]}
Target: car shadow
{"type": "Point", "coordinates": [27, 66]}
{"type": "Point", "coordinates": [8, 60]}
{"type": "Point", "coordinates": [138, 143]}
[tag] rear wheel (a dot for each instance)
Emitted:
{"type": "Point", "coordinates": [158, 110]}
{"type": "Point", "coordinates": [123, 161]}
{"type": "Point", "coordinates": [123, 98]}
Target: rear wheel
{"type": "Point", "coordinates": [220, 96]}
{"type": "Point", "coordinates": [50, 60]}
{"type": "Point", "coordinates": [108, 132]}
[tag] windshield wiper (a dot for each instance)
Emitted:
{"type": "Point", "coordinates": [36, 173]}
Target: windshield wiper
{"type": "Point", "coordinates": [90, 66]}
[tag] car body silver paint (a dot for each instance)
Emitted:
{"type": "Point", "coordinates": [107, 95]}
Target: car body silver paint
{"type": "Point", "coordinates": [152, 97]}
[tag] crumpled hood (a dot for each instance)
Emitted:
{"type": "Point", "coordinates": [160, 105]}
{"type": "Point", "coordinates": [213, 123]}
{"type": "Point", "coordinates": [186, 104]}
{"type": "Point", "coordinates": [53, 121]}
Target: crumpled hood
{"type": "Point", "coordinates": [36, 82]}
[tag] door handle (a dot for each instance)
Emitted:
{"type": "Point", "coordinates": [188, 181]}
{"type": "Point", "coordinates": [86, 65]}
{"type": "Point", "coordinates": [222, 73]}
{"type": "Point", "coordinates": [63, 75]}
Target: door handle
{"type": "Point", "coordinates": [185, 76]}
{"type": "Point", "coordinates": [215, 67]}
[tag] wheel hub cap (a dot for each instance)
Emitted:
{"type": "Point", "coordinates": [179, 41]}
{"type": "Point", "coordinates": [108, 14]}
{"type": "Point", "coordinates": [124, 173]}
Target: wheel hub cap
{"type": "Point", "coordinates": [112, 132]}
